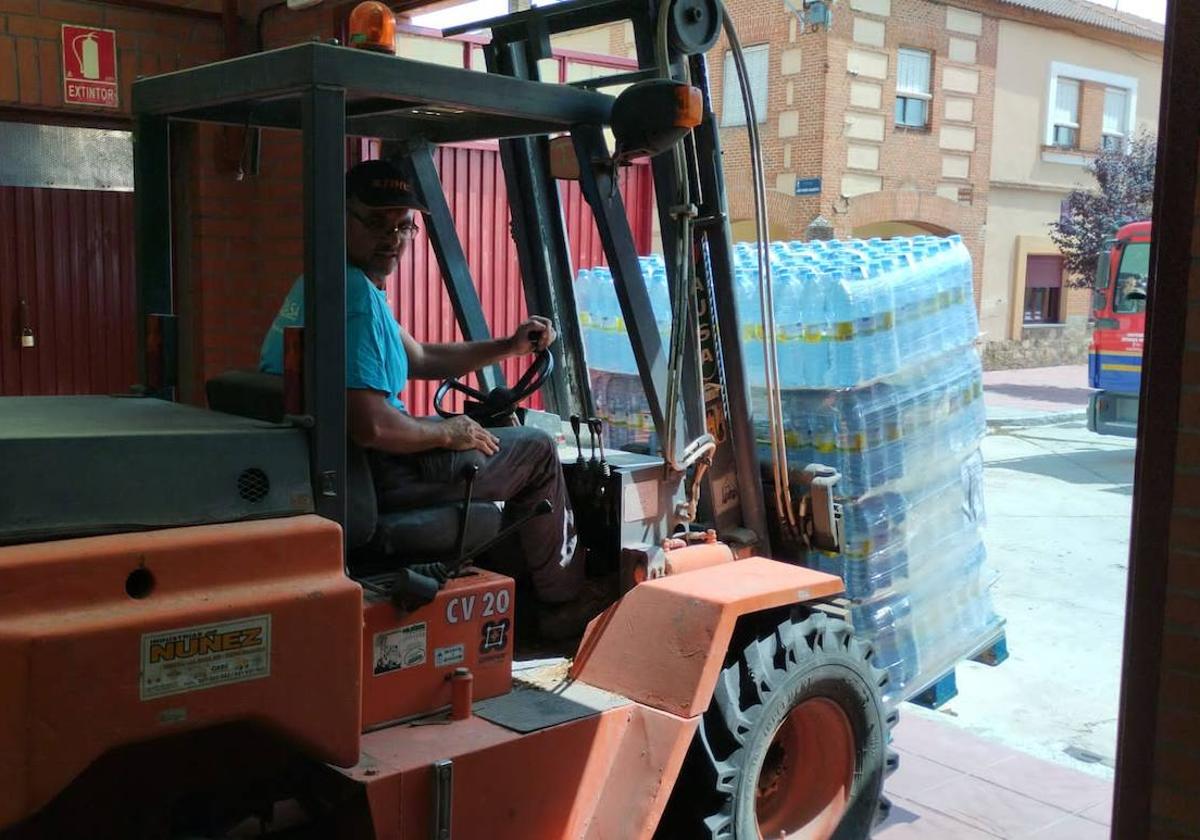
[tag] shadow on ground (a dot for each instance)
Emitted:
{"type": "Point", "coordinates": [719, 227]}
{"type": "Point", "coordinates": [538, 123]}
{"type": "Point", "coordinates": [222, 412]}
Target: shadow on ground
{"type": "Point", "coordinates": [1047, 393]}
{"type": "Point", "coordinates": [1089, 466]}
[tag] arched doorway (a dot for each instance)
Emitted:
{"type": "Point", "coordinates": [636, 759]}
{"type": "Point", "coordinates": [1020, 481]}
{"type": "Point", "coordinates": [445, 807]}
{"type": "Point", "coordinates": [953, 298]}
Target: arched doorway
{"type": "Point", "coordinates": [889, 229]}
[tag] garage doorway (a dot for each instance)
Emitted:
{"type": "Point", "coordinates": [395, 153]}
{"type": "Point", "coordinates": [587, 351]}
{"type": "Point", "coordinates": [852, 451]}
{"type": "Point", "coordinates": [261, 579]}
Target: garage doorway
{"type": "Point", "coordinates": [67, 289]}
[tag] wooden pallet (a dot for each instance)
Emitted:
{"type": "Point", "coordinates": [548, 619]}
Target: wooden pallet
{"type": "Point", "coordinates": [945, 688]}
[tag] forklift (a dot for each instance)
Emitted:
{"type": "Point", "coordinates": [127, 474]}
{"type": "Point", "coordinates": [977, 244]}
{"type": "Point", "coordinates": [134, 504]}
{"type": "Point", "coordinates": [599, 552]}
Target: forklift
{"type": "Point", "coordinates": [209, 629]}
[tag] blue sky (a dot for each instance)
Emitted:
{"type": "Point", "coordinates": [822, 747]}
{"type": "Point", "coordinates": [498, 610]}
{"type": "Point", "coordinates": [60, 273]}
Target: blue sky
{"type": "Point", "coordinates": [1153, 9]}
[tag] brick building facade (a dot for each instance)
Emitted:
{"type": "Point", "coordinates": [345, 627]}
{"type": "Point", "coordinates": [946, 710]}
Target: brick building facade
{"type": "Point", "coordinates": [830, 118]}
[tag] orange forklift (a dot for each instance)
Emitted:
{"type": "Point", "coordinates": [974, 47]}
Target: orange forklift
{"type": "Point", "coordinates": [208, 629]}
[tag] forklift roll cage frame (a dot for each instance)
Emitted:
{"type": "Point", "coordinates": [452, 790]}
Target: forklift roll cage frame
{"type": "Point", "coordinates": [330, 92]}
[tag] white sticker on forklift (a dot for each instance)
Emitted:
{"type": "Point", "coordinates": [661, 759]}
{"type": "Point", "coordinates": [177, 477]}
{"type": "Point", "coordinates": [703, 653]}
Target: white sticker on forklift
{"type": "Point", "coordinates": [205, 656]}
{"type": "Point", "coordinates": [400, 648]}
{"type": "Point", "coordinates": [452, 655]}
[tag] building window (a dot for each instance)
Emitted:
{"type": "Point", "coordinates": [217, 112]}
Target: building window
{"type": "Point", "coordinates": [1063, 108]}
{"type": "Point", "coordinates": [733, 112]}
{"type": "Point", "coordinates": [1043, 290]}
{"type": "Point", "coordinates": [913, 92]}
{"type": "Point", "coordinates": [1114, 129]}
{"type": "Point", "coordinates": [1066, 115]}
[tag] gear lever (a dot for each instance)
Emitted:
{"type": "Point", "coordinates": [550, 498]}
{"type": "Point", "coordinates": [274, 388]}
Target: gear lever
{"type": "Point", "coordinates": [591, 440]}
{"type": "Point", "coordinates": [469, 472]}
{"type": "Point", "coordinates": [578, 443]}
{"type": "Point", "coordinates": [596, 427]}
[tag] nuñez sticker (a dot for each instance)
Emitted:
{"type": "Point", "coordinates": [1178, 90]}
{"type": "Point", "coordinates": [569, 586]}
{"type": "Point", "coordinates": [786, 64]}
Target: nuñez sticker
{"type": "Point", "coordinates": [205, 656]}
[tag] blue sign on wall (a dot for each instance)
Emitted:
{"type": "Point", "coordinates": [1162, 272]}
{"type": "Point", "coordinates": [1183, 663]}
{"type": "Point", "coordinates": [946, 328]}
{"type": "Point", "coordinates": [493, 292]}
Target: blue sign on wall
{"type": "Point", "coordinates": [808, 186]}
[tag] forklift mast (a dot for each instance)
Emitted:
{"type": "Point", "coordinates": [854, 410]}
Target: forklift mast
{"type": "Point", "coordinates": [715, 397]}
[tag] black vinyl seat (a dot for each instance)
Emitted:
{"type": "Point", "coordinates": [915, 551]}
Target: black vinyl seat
{"type": "Point", "coordinates": [375, 539]}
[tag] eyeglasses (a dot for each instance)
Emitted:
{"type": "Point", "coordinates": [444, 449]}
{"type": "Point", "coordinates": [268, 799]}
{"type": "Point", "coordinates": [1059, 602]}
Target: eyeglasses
{"type": "Point", "coordinates": [377, 226]}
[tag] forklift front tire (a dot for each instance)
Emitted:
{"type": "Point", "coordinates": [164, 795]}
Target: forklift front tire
{"type": "Point", "coordinates": [794, 742]}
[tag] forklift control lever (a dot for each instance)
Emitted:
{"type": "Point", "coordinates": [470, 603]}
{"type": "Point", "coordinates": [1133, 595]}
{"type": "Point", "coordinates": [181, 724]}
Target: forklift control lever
{"type": "Point", "coordinates": [578, 443]}
{"type": "Point", "coordinates": [591, 427]}
{"type": "Point", "coordinates": [469, 472]}
{"type": "Point", "coordinates": [596, 427]}
{"type": "Point", "coordinates": [540, 509]}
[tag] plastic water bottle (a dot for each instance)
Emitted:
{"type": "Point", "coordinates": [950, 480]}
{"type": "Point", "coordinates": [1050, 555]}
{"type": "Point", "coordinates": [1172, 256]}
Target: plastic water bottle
{"type": "Point", "coordinates": [600, 300]}
{"type": "Point", "coordinates": [812, 289]}
{"type": "Point", "coordinates": [842, 351]}
{"type": "Point", "coordinates": [887, 351]}
{"type": "Point", "coordinates": [584, 306]}
{"type": "Point", "coordinates": [750, 312]}
{"type": "Point", "coordinates": [789, 325]}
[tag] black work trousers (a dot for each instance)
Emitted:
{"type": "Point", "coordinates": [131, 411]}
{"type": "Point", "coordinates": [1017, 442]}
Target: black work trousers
{"type": "Point", "coordinates": [524, 471]}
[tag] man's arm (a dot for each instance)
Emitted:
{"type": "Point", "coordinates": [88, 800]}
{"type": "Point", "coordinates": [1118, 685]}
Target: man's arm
{"type": "Point", "coordinates": [373, 423]}
{"type": "Point", "coordinates": [440, 361]}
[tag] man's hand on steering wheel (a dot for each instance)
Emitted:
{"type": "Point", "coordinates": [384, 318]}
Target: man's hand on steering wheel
{"type": "Point", "coordinates": [535, 334]}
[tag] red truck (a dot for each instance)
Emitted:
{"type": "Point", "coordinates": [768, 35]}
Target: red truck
{"type": "Point", "coordinates": [1119, 310]}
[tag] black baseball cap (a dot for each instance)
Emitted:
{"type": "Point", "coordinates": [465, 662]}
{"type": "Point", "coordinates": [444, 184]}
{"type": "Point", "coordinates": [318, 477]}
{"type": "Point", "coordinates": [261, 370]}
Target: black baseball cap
{"type": "Point", "coordinates": [379, 184]}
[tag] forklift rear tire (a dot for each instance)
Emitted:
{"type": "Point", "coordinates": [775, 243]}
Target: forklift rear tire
{"type": "Point", "coordinates": [794, 742]}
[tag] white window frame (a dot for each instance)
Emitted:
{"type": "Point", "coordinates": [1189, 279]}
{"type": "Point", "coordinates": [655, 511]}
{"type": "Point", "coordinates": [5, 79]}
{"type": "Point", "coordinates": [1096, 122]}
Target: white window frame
{"type": "Point", "coordinates": [1060, 69]}
{"type": "Point", "coordinates": [731, 88]}
{"type": "Point", "coordinates": [904, 93]}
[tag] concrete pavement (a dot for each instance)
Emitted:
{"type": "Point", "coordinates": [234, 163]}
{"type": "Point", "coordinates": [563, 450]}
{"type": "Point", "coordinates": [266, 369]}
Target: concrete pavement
{"type": "Point", "coordinates": [1036, 396]}
{"type": "Point", "coordinates": [952, 785]}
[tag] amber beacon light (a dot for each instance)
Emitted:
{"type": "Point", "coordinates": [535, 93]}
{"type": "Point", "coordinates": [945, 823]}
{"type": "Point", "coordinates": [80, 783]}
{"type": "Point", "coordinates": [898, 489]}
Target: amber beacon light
{"type": "Point", "coordinates": [373, 27]}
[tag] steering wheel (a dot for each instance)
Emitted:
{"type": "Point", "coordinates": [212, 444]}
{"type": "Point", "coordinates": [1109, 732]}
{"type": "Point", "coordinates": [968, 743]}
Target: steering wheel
{"type": "Point", "coordinates": [495, 406]}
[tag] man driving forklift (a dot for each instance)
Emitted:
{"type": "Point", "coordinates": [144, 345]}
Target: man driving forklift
{"type": "Point", "coordinates": [418, 461]}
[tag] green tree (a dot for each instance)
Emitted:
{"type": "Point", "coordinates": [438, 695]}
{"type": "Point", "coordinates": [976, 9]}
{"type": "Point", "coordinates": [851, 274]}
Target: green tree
{"type": "Point", "coordinates": [1125, 180]}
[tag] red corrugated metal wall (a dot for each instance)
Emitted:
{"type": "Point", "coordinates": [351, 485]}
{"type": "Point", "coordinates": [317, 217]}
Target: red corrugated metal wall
{"type": "Point", "coordinates": [473, 179]}
{"type": "Point", "coordinates": [69, 255]}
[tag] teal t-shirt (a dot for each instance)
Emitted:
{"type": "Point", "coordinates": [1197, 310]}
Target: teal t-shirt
{"type": "Point", "coordinates": [375, 357]}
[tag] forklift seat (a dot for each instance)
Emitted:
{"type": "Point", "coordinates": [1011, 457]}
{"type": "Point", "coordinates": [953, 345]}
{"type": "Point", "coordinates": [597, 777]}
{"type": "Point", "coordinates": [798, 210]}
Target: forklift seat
{"type": "Point", "coordinates": [374, 538]}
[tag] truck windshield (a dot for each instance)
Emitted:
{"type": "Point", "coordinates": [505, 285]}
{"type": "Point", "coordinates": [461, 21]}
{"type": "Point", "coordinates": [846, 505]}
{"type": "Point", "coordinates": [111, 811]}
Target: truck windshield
{"type": "Point", "coordinates": [1131, 278]}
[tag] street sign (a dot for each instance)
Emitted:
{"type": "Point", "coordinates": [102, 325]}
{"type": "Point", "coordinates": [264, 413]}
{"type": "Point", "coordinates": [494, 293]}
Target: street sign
{"type": "Point", "coordinates": [89, 62]}
{"type": "Point", "coordinates": [808, 186]}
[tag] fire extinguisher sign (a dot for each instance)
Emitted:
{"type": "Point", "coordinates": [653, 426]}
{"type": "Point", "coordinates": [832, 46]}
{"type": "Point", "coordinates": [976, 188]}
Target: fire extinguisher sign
{"type": "Point", "coordinates": [89, 57]}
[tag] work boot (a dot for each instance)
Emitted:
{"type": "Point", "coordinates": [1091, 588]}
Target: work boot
{"type": "Point", "coordinates": [568, 620]}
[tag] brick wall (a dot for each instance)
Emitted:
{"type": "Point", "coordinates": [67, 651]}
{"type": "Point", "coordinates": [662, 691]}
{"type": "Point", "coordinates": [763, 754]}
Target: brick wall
{"type": "Point", "coordinates": [830, 114]}
{"type": "Point", "coordinates": [791, 133]}
{"type": "Point", "coordinates": [1091, 115]}
{"type": "Point", "coordinates": [246, 236]}
{"type": "Point", "coordinates": [147, 43]}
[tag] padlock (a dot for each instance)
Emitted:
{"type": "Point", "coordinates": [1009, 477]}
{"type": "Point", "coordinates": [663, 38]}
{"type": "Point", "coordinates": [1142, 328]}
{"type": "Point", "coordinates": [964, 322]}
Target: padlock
{"type": "Point", "coordinates": [27, 338]}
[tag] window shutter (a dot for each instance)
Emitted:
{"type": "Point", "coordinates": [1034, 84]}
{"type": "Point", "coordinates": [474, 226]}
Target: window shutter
{"type": "Point", "coordinates": [1116, 104]}
{"type": "Point", "coordinates": [732, 112]}
{"type": "Point", "coordinates": [1066, 105]}
{"type": "Point", "coordinates": [912, 72]}
{"type": "Point", "coordinates": [757, 63]}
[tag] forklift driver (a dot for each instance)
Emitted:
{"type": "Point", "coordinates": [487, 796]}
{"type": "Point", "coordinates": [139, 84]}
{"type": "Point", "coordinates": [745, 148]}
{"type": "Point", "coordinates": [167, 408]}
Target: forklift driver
{"type": "Point", "coordinates": [416, 461]}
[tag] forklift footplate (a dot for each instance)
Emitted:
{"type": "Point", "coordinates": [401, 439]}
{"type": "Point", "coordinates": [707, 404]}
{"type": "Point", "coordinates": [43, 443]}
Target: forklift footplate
{"type": "Point", "coordinates": [533, 704]}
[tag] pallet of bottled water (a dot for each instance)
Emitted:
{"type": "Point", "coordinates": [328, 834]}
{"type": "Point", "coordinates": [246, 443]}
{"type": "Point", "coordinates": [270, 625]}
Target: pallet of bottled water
{"type": "Point", "coordinates": [880, 380]}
